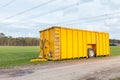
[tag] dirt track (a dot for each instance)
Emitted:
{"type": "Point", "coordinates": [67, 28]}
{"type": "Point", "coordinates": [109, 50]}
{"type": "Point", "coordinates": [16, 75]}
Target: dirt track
{"type": "Point", "coordinates": [85, 69]}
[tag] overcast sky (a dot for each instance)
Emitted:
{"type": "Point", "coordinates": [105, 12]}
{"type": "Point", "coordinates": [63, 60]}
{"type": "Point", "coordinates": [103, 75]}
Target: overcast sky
{"type": "Point", "coordinates": [25, 18]}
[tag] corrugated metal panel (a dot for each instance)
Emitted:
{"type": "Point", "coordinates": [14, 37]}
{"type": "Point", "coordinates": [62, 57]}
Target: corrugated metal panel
{"type": "Point", "coordinates": [101, 44]}
{"type": "Point", "coordinates": [97, 44]}
{"type": "Point", "coordinates": [107, 43]}
{"type": "Point", "coordinates": [63, 44]}
{"type": "Point", "coordinates": [104, 44]}
{"type": "Point", "coordinates": [80, 43]}
{"type": "Point", "coordinates": [93, 37]}
{"type": "Point", "coordinates": [75, 44]}
{"type": "Point", "coordinates": [89, 37]}
{"type": "Point", "coordinates": [84, 44]}
{"type": "Point", "coordinates": [69, 43]}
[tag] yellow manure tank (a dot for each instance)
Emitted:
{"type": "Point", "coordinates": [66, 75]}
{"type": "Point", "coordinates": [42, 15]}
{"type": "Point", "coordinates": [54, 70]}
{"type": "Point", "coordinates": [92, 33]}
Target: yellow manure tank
{"type": "Point", "coordinates": [57, 43]}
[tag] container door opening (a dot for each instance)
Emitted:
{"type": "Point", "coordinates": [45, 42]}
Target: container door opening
{"type": "Point", "coordinates": [91, 50]}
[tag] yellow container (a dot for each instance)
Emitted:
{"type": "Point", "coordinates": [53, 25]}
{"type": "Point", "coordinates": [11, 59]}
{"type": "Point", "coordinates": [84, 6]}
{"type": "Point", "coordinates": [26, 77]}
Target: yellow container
{"type": "Point", "coordinates": [58, 43]}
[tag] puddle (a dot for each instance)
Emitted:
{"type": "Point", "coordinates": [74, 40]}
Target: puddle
{"type": "Point", "coordinates": [92, 78]}
{"type": "Point", "coordinates": [2, 72]}
{"type": "Point", "coordinates": [20, 73]}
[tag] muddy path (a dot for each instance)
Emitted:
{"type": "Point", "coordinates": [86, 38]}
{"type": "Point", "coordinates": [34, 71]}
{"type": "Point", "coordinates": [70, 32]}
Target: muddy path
{"type": "Point", "coordinates": [104, 68]}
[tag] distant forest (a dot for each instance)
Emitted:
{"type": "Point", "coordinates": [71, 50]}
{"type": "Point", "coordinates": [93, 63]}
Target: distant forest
{"type": "Point", "coordinates": [20, 41]}
{"type": "Point", "coordinates": [28, 41]}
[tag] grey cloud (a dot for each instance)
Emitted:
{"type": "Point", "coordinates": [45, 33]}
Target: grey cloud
{"type": "Point", "coordinates": [114, 32]}
{"type": "Point", "coordinates": [111, 4]}
{"type": "Point", "coordinates": [86, 1]}
{"type": "Point", "coordinates": [71, 11]}
{"type": "Point", "coordinates": [19, 32]}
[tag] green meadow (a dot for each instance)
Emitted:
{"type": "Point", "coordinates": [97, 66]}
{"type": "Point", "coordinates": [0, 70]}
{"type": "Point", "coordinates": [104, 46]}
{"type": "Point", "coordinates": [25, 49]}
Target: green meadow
{"type": "Point", "coordinates": [18, 56]}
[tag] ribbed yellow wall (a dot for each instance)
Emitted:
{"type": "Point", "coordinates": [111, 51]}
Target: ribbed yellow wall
{"type": "Point", "coordinates": [65, 43]}
{"type": "Point", "coordinates": [69, 44]}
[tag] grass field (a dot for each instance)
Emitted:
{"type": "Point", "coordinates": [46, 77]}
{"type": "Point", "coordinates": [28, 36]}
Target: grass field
{"type": "Point", "coordinates": [115, 50]}
{"type": "Point", "coordinates": [16, 56]}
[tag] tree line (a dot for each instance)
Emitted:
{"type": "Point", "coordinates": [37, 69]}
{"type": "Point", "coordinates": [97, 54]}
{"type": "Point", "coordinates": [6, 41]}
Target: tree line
{"type": "Point", "coordinates": [20, 41]}
{"type": "Point", "coordinates": [28, 41]}
{"type": "Point", "coordinates": [112, 41]}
